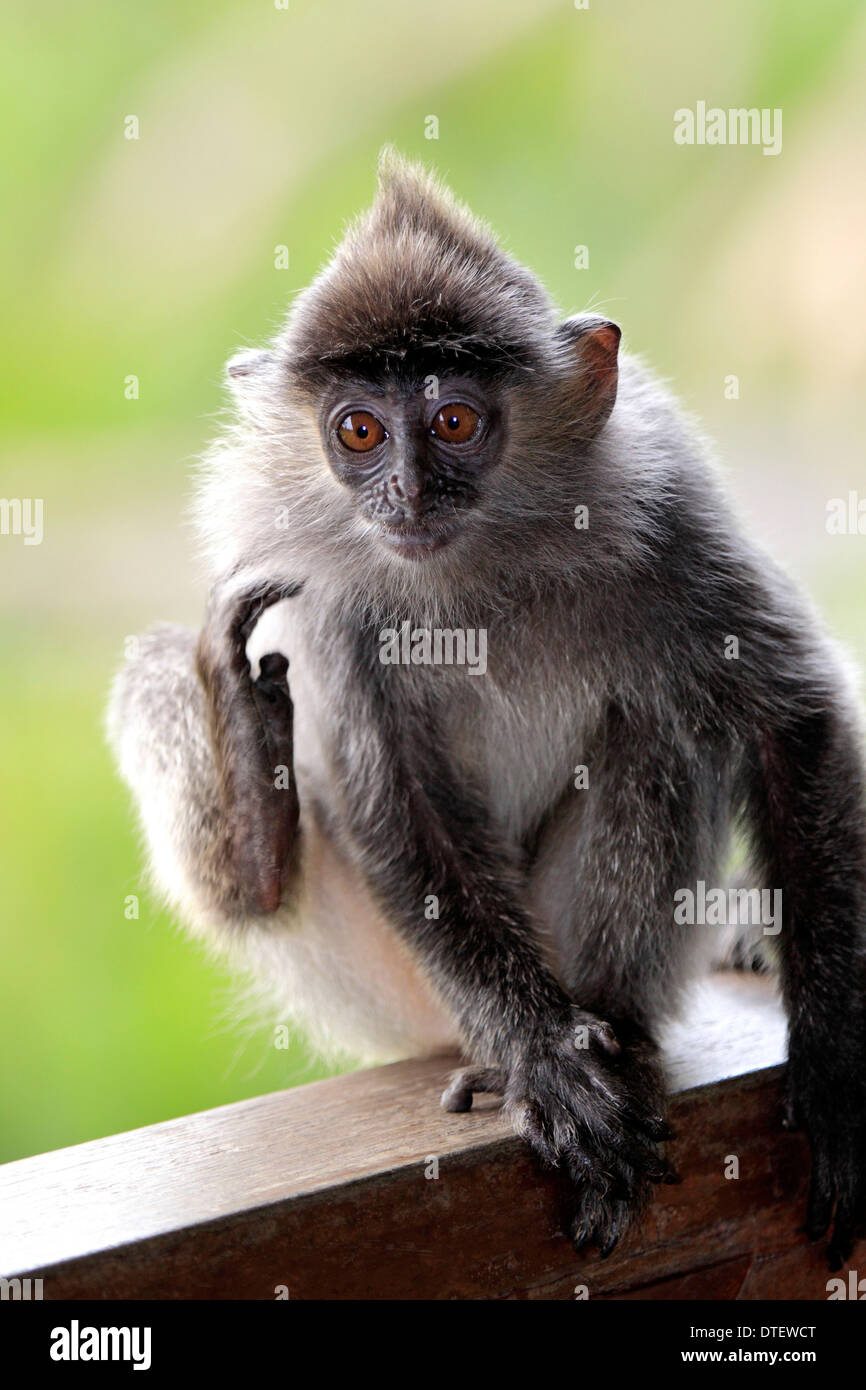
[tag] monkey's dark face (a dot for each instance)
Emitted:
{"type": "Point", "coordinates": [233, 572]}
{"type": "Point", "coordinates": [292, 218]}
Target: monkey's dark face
{"type": "Point", "coordinates": [413, 461]}
{"type": "Point", "coordinates": [421, 421]}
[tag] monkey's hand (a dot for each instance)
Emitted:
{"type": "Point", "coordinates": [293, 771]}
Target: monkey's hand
{"type": "Point", "coordinates": [250, 723]}
{"type": "Point", "coordinates": [826, 1097]}
{"type": "Point", "coordinates": [590, 1107]}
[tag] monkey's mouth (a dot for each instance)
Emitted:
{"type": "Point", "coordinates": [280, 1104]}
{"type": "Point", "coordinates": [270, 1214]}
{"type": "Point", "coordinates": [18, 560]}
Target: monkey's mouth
{"type": "Point", "coordinates": [417, 541]}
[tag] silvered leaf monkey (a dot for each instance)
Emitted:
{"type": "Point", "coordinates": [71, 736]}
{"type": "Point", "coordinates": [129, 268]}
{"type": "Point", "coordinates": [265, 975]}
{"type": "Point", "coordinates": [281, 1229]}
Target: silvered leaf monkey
{"type": "Point", "coordinates": [401, 848]}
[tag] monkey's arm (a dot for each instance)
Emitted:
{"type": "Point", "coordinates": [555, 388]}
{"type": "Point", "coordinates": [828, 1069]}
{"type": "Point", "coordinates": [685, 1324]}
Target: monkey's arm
{"type": "Point", "coordinates": [805, 795]}
{"type": "Point", "coordinates": [199, 742]}
{"type": "Point", "coordinates": [250, 724]}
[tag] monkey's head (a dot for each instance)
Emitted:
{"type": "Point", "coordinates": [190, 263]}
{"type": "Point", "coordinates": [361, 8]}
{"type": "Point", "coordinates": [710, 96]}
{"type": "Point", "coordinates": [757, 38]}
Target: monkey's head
{"type": "Point", "coordinates": [425, 410]}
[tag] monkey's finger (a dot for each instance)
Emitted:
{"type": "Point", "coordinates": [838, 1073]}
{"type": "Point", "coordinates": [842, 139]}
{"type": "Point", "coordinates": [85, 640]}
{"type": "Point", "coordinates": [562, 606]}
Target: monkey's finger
{"type": "Point", "coordinates": [272, 669]}
{"type": "Point", "coordinates": [581, 1237]}
{"type": "Point", "coordinates": [634, 1147]}
{"type": "Point", "coordinates": [251, 603]}
{"type": "Point", "coordinates": [586, 1171]}
{"type": "Point", "coordinates": [611, 1240]}
{"type": "Point", "coordinates": [532, 1125]}
{"type": "Point", "coordinates": [583, 1228]}
{"type": "Point", "coordinates": [819, 1206]}
{"type": "Point", "coordinates": [586, 1229]}
{"type": "Point", "coordinates": [602, 1223]}
{"type": "Point", "coordinates": [457, 1096]}
{"type": "Point", "coordinates": [657, 1168]}
{"type": "Point", "coordinates": [652, 1166]}
{"type": "Point", "coordinates": [669, 1175]}
{"type": "Point", "coordinates": [841, 1243]}
{"type": "Point", "coordinates": [848, 1222]}
{"type": "Point", "coordinates": [629, 1155]}
{"type": "Point", "coordinates": [655, 1127]}
{"type": "Point", "coordinates": [273, 703]}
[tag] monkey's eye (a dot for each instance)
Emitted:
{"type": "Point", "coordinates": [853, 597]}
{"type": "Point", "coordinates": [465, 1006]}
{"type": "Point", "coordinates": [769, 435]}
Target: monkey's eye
{"type": "Point", "coordinates": [361, 431]}
{"type": "Point", "coordinates": [455, 423]}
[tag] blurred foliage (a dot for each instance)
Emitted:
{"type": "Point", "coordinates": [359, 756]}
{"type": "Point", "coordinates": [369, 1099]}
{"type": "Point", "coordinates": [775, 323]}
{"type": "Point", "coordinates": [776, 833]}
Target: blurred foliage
{"type": "Point", "coordinates": [260, 127]}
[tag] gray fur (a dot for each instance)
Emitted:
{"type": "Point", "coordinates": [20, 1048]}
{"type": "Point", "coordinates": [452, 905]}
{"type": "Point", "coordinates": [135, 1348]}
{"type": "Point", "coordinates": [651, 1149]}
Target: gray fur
{"type": "Point", "coordinates": [606, 648]}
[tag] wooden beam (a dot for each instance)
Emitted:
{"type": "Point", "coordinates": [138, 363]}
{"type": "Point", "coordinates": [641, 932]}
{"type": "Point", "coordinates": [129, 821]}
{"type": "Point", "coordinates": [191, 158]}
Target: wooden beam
{"type": "Point", "coordinates": [328, 1191]}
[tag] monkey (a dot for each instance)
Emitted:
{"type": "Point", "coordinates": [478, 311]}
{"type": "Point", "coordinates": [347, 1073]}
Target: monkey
{"type": "Point", "coordinates": [400, 850]}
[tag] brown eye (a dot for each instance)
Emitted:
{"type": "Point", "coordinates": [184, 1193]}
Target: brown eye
{"type": "Point", "coordinates": [361, 431]}
{"type": "Point", "coordinates": [455, 423]}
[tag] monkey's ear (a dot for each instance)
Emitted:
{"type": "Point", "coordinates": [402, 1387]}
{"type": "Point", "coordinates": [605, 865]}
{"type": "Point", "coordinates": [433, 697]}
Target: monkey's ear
{"type": "Point", "coordinates": [252, 362]}
{"type": "Point", "coordinates": [592, 344]}
{"type": "Point", "coordinates": [248, 374]}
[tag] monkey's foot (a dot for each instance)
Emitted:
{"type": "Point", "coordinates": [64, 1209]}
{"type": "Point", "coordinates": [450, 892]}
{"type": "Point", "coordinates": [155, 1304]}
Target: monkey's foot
{"type": "Point", "coordinates": [830, 1106]}
{"type": "Point", "coordinates": [588, 1100]}
{"type": "Point", "coordinates": [457, 1096]}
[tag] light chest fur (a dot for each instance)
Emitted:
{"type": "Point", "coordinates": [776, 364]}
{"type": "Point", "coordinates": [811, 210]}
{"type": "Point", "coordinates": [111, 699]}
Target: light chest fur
{"type": "Point", "coordinates": [515, 736]}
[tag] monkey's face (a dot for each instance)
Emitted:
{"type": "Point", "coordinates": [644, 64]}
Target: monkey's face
{"type": "Point", "coordinates": [412, 461]}
{"type": "Point", "coordinates": [423, 422]}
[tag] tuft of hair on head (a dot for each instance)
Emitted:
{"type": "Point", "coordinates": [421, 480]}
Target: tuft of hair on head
{"type": "Point", "coordinates": [417, 283]}
{"type": "Point", "coordinates": [409, 194]}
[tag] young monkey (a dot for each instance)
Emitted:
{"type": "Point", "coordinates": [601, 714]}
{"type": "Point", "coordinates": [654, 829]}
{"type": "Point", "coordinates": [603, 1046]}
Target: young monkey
{"type": "Point", "coordinates": [403, 851]}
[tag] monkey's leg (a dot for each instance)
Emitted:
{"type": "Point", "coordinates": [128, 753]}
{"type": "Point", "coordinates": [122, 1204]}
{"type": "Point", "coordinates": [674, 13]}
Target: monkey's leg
{"type": "Point", "coordinates": [808, 814]}
{"type": "Point", "coordinates": [579, 1099]}
{"type": "Point", "coordinates": [207, 752]}
{"type": "Point", "coordinates": [650, 823]}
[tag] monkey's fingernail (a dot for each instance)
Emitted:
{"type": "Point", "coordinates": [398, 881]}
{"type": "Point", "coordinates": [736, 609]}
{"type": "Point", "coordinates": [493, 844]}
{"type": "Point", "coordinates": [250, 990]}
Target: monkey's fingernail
{"type": "Point", "coordinates": [580, 1237]}
{"type": "Point", "coordinates": [609, 1245]}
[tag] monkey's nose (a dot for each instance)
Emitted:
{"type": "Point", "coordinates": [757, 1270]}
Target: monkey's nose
{"type": "Point", "coordinates": [409, 494]}
{"type": "Point", "coordinates": [403, 489]}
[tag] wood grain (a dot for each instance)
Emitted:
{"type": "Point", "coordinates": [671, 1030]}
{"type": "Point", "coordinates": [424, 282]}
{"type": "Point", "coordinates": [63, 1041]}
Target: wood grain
{"type": "Point", "coordinates": [327, 1190]}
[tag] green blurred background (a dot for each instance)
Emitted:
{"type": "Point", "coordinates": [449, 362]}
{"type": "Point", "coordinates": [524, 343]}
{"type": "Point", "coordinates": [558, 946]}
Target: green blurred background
{"type": "Point", "coordinates": [260, 127]}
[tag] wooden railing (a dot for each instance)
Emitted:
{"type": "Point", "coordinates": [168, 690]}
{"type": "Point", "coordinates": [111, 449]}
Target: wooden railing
{"type": "Point", "coordinates": [361, 1187]}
